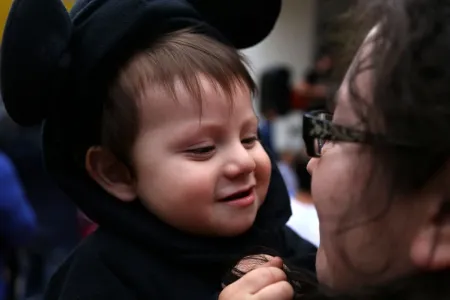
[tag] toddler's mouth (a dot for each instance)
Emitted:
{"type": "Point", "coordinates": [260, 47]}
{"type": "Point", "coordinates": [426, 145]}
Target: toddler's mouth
{"type": "Point", "coordinates": [238, 195]}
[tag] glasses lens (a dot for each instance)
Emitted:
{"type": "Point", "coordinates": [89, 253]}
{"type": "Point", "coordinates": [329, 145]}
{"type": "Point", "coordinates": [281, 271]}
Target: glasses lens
{"type": "Point", "coordinates": [319, 142]}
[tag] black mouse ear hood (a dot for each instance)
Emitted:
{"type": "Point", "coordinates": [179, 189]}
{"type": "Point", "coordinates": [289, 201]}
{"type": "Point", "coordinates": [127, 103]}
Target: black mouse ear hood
{"type": "Point", "coordinates": [35, 55]}
{"type": "Point", "coordinates": [41, 43]}
{"type": "Point", "coordinates": [244, 23]}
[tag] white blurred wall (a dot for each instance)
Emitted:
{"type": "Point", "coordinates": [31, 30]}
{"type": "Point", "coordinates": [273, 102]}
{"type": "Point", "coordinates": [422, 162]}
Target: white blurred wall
{"type": "Point", "coordinates": [290, 43]}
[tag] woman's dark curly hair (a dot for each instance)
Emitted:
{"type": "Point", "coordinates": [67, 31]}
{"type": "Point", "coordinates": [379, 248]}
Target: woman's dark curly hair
{"type": "Point", "coordinates": [410, 62]}
{"type": "Point", "coordinates": [410, 90]}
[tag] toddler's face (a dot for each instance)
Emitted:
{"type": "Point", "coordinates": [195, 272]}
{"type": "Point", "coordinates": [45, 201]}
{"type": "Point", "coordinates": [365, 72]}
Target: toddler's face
{"type": "Point", "coordinates": [198, 163]}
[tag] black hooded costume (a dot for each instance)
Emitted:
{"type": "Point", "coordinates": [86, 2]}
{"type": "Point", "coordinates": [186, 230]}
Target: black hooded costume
{"type": "Point", "coordinates": [55, 68]}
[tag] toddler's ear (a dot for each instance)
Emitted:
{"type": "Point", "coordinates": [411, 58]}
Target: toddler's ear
{"type": "Point", "coordinates": [110, 173]}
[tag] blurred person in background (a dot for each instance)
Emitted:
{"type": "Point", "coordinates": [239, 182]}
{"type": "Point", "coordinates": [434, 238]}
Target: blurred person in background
{"type": "Point", "coordinates": [285, 165]}
{"type": "Point", "coordinates": [288, 144]}
{"type": "Point", "coordinates": [17, 224]}
{"type": "Point", "coordinates": [58, 229]}
{"type": "Point", "coordinates": [304, 220]}
{"type": "Point", "coordinates": [317, 85]}
{"type": "Point", "coordinates": [274, 103]}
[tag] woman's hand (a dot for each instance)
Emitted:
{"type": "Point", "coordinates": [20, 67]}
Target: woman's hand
{"type": "Point", "coordinates": [266, 282]}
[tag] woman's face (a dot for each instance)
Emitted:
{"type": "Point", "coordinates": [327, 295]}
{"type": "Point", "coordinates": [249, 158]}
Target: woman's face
{"type": "Point", "coordinates": [366, 232]}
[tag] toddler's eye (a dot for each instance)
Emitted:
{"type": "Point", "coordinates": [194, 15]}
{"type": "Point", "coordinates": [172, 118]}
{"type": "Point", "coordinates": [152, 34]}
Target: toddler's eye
{"type": "Point", "coordinates": [250, 141]}
{"type": "Point", "coordinates": [201, 150]}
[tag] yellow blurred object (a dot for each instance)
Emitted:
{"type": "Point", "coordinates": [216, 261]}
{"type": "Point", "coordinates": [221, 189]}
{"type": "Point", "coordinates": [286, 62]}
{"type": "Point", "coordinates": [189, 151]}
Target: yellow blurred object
{"type": "Point", "coordinates": [5, 5]}
{"type": "Point", "coordinates": [68, 3]}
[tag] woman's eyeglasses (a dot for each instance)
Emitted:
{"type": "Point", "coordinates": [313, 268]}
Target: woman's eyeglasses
{"type": "Point", "coordinates": [318, 128]}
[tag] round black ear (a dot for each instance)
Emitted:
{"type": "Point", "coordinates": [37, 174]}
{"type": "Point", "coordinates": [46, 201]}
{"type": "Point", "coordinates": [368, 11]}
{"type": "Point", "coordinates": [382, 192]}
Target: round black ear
{"type": "Point", "coordinates": [34, 56]}
{"type": "Point", "coordinates": [244, 23]}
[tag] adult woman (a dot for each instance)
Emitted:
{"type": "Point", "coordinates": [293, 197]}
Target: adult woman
{"type": "Point", "coordinates": [381, 167]}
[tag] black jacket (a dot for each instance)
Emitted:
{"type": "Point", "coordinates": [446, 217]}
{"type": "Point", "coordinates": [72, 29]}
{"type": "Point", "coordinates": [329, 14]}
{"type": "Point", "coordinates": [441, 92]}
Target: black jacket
{"type": "Point", "coordinates": [107, 266]}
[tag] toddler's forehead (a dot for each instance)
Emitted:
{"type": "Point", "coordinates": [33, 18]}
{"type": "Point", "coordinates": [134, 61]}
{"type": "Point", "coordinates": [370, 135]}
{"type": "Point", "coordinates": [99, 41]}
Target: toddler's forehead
{"type": "Point", "coordinates": [162, 109]}
{"type": "Point", "coordinates": [188, 98]}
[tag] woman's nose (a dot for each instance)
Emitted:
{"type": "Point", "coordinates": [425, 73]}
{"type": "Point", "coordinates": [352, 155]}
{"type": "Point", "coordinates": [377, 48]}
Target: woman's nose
{"type": "Point", "coordinates": [312, 165]}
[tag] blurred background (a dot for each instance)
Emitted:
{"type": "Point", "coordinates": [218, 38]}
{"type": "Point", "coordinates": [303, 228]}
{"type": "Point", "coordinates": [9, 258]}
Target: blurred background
{"type": "Point", "coordinates": [297, 69]}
